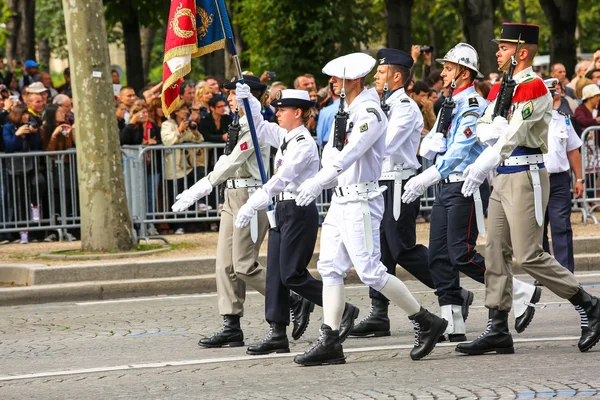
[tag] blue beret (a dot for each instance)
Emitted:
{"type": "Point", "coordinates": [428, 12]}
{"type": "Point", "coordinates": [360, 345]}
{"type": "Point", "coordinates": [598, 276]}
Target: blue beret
{"type": "Point", "coordinates": [396, 57]}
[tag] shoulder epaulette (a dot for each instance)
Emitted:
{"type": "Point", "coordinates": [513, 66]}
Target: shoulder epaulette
{"type": "Point", "coordinates": [494, 92]}
{"type": "Point", "coordinates": [374, 111]}
{"type": "Point", "coordinates": [300, 138]}
{"type": "Point", "coordinates": [405, 101]}
{"type": "Point", "coordinates": [530, 90]}
{"type": "Point", "coordinates": [473, 102]}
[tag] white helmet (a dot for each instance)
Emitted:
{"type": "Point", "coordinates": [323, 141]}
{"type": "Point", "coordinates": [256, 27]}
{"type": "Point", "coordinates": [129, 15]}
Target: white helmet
{"type": "Point", "coordinates": [465, 55]}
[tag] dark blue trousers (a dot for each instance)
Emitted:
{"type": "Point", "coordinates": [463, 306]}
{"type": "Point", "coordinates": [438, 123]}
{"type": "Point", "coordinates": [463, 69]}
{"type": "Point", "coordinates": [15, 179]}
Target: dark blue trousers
{"type": "Point", "coordinates": [291, 246]}
{"type": "Point", "coordinates": [452, 239]}
{"type": "Point", "coordinates": [558, 214]}
{"type": "Point", "coordinates": [399, 240]}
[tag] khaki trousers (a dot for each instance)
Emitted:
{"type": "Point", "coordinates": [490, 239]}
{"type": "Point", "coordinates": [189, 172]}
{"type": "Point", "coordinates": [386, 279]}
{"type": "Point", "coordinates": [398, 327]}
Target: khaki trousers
{"type": "Point", "coordinates": [237, 256]}
{"type": "Point", "coordinates": [513, 231]}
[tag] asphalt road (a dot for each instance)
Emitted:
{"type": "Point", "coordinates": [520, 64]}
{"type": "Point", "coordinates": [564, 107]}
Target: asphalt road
{"type": "Point", "coordinates": [146, 349]}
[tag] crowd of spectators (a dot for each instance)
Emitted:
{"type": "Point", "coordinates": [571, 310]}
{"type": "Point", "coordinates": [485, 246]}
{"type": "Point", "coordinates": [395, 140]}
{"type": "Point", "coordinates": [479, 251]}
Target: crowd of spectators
{"type": "Point", "coordinates": [36, 116]}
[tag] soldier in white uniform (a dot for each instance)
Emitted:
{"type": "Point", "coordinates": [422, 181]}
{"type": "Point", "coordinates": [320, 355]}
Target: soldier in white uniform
{"type": "Point", "coordinates": [562, 158]}
{"type": "Point", "coordinates": [293, 232]}
{"type": "Point", "coordinates": [352, 161]}
{"type": "Point", "coordinates": [516, 213]}
{"type": "Point", "coordinates": [237, 254]}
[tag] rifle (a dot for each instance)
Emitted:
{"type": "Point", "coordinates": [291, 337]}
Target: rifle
{"type": "Point", "coordinates": [384, 106]}
{"type": "Point", "coordinates": [341, 121]}
{"type": "Point", "coordinates": [507, 87]}
{"type": "Point", "coordinates": [232, 134]}
{"type": "Point", "coordinates": [443, 125]}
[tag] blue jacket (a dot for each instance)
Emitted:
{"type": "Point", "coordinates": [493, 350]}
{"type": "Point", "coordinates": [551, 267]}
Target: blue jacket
{"type": "Point", "coordinates": [17, 144]}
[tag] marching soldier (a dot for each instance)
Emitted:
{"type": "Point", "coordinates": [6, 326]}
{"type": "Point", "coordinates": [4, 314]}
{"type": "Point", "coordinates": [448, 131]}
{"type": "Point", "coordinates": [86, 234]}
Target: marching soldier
{"type": "Point", "coordinates": [237, 254]}
{"type": "Point", "coordinates": [456, 220]}
{"type": "Point", "coordinates": [350, 233]}
{"type": "Point", "coordinates": [294, 229]}
{"type": "Point", "coordinates": [398, 225]}
{"type": "Point", "coordinates": [517, 120]}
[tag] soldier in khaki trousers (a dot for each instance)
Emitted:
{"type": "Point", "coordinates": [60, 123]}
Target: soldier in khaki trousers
{"type": "Point", "coordinates": [520, 197]}
{"type": "Point", "coordinates": [237, 255]}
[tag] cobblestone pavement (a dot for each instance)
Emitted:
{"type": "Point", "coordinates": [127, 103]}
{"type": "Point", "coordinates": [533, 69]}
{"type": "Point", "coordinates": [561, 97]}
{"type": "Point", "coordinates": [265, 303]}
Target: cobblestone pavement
{"type": "Point", "coordinates": [120, 350]}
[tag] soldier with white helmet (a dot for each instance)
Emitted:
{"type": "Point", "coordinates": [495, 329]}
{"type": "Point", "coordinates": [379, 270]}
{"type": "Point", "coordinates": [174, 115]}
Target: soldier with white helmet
{"type": "Point", "coordinates": [455, 220]}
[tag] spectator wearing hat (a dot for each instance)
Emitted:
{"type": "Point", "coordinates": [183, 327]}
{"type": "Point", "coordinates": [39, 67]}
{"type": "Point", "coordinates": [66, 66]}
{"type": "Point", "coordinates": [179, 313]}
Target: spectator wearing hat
{"type": "Point", "coordinates": [352, 162]}
{"type": "Point", "coordinates": [39, 88]}
{"type": "Point", "coordinates": [519, 200]}
{"type": "Point", "coordinates": [30, 75]}
{"type": "Point", "coordinates": [585, 112]}
{"type": "Point", "coordinates": [237, 265]}
{"type": "Point", "coordinates": [35, 106]}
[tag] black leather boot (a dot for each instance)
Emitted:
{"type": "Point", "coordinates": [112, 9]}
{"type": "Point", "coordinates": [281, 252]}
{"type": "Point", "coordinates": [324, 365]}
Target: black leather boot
{"type": "Point", "coordinates": [428, 329]}
{"type": "Point", "coordinates": [523, 321]}
{"type": "Point", "coordinates": [300, 310]}
{"type": "Point", "coordinates": [230, 335]}
{"type": "Point", "coordinates": [495, 338]}
{"type": "Point", "coordinates": [376, 323]}
{"type": "Point", "coordinates": [348, 317]}
{"type": "Point", "coordinates": [326, 350]}
{"type": "Point", "coordinates": [467, 301]}
{"type": "Point", "coordinates": [588, 307]}
{"type": "Point", "coordinates": [276, 341]}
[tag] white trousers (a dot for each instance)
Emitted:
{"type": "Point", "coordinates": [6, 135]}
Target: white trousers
{"type": "Point", "coordinates": [343, 245]}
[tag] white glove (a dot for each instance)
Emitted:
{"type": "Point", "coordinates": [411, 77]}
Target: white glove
{"type": "Point", "coordinates": [188, 197]}
{"type": "Point", "coordinates": [311, 188]}
{"type": "Point", "coordinates": [433, 145]}
{"type": "Point", "coordinates": [242, 91]}
{"type": "Point", "coordinates": [416, 186]}
{"type": "Point", "coordinates": [490, 133]}
{"type": "Point", "coordinates": [476, 173]}
{"type": "Point", "coordinates": [244, 215]}
{"type": "Point", "coordinates": [258, 201]}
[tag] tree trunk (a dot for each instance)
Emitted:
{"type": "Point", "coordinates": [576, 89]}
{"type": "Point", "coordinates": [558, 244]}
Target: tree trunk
{"type": "Point", "coordinates": [44, 53]}
{"type": "Point", "coordinates": [478, 28]}
{"type": "Point", "coordinates": [133, 48]}
{"type": "Point", "coordinates": [562, 17]}
{"type": "Point", "coordinates": [26, 39]}
{"type": "Point", "coordinates": [399, 14]}
{"type": "Point", "coordinates": [105, 221]}
{"type": "Point", "coordinates": [214, 64]}
{"type": "Point", "coordinates": [12, 29]}
{"type": "Point", "coordinates": [523, 11]}
{"type": "Point", "coordinates": [147, 35]}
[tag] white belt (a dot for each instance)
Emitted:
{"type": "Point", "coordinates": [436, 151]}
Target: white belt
{"type": "Point", "coordinates": [359, 188]}
{"type": "Point", "coordinates": [362, 190]}
{"type": "Point", "coordinates": [286, 196]}
{"type": "Point", "coordinates": [402, 174]}
{"type": "Point", "coordinates": [515, 161]}
{"type": "Point", "coordinates": [453, 178]}
{"type": "Point", "coordinates": [397, 175]}
{"type": "Point", "coordinates": [243, 183]}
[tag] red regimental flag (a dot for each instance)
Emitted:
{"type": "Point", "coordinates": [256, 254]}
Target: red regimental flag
{"type": "Point", "coordinates": [180, 44]}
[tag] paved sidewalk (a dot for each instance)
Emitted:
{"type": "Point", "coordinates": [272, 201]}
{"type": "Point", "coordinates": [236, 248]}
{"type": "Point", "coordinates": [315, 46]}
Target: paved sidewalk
{"type": "Point", "coordinates": [119, 350]}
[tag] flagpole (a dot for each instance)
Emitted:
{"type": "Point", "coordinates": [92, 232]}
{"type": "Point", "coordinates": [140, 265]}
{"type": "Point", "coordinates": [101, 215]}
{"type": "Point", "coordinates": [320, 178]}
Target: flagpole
{"type": "Point", "coordinates": [259, 159]}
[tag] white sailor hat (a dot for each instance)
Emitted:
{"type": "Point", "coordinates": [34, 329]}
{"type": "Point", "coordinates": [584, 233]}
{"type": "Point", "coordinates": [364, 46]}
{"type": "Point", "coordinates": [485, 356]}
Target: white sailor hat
{"type": "Point", "coordinates": [293, 98]}
{"type": "Point", "coordinates": [350, 66]}
{"type": "Point", "coordinates": [551, 83]}
{"type": "Point", "coordinates": [465, 55]}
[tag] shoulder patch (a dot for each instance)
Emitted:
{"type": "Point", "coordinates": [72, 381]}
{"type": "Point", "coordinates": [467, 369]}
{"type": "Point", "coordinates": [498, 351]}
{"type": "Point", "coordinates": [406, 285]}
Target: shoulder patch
{"type": "Point", "coordinates": [527, 110]}
{"type": "Point", "coordinates": [405, 101]}
{"type": "Point", "coordinates": [468, 132]}
{"type": "Point", "coordinates": [300, 138]}
{"type": "Point", "coordinates": [364, 128]}
{"type": "Point", "coordinates": [473, 102]}
{"type": "Point", "coordinates": [473, 113]}
{"type": "Point", "coordinates": [374, 111]}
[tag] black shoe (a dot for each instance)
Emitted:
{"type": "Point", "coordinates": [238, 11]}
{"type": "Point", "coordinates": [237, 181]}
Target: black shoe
{"type": "Point", "coordinates": [276, 341]}
{"type": "Point", "coordinates": [326, 350]}
{"type": "Point", "coordinates": [428, 329]}
{"type": "Point", "coordinates": [376, 323]}
{"type": "Point", "coordinates": [230, 335]}
{"type": "Point", "coordinates": [467, 301]}
{"type": "Point", "coordinates": [589, 310]}
{"type": "Point", "coordinates": [350, 314]}
{"type": "Point", "coordinates": [300, 310]}
{"type": "Point", "coordinates": [495, 338]}
{"type": "Point", "coordinates": [522, 322]}
{"type": "Point", "coordinates": [537, 283]}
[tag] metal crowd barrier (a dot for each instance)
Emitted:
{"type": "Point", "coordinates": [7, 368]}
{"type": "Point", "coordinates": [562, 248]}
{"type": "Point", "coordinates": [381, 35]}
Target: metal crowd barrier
{"type": "Point", "coordinates": [38, 192]}
{"type": "Point", "coordinates": [590, 167]}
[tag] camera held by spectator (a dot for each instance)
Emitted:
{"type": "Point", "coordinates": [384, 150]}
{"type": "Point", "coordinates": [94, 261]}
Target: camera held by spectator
{"type": "Point", "coordinates": [193, 126]}
{"type": "Point", "coordinates": [426, 49]}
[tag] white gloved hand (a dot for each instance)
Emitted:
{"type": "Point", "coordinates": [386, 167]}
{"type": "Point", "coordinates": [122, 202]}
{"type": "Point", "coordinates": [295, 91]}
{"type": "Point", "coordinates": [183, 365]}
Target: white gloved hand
{"type": "Point", "coordinates": [417, 185]}
{"type": "Point", "coordinates": [490, 133]}
{"type": "Point", "coordinates": [476, 173]}
{"type": "Point", "coordinates": [244, 215]}
{"type": "Point", "coordinates": [431, 146]}
{"type": "Point", "coordinates": [311, 188]}
{"type": "Point", "coordinates": [242, 91]}
{"type": "Point", "coordinates": [188, 197]}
